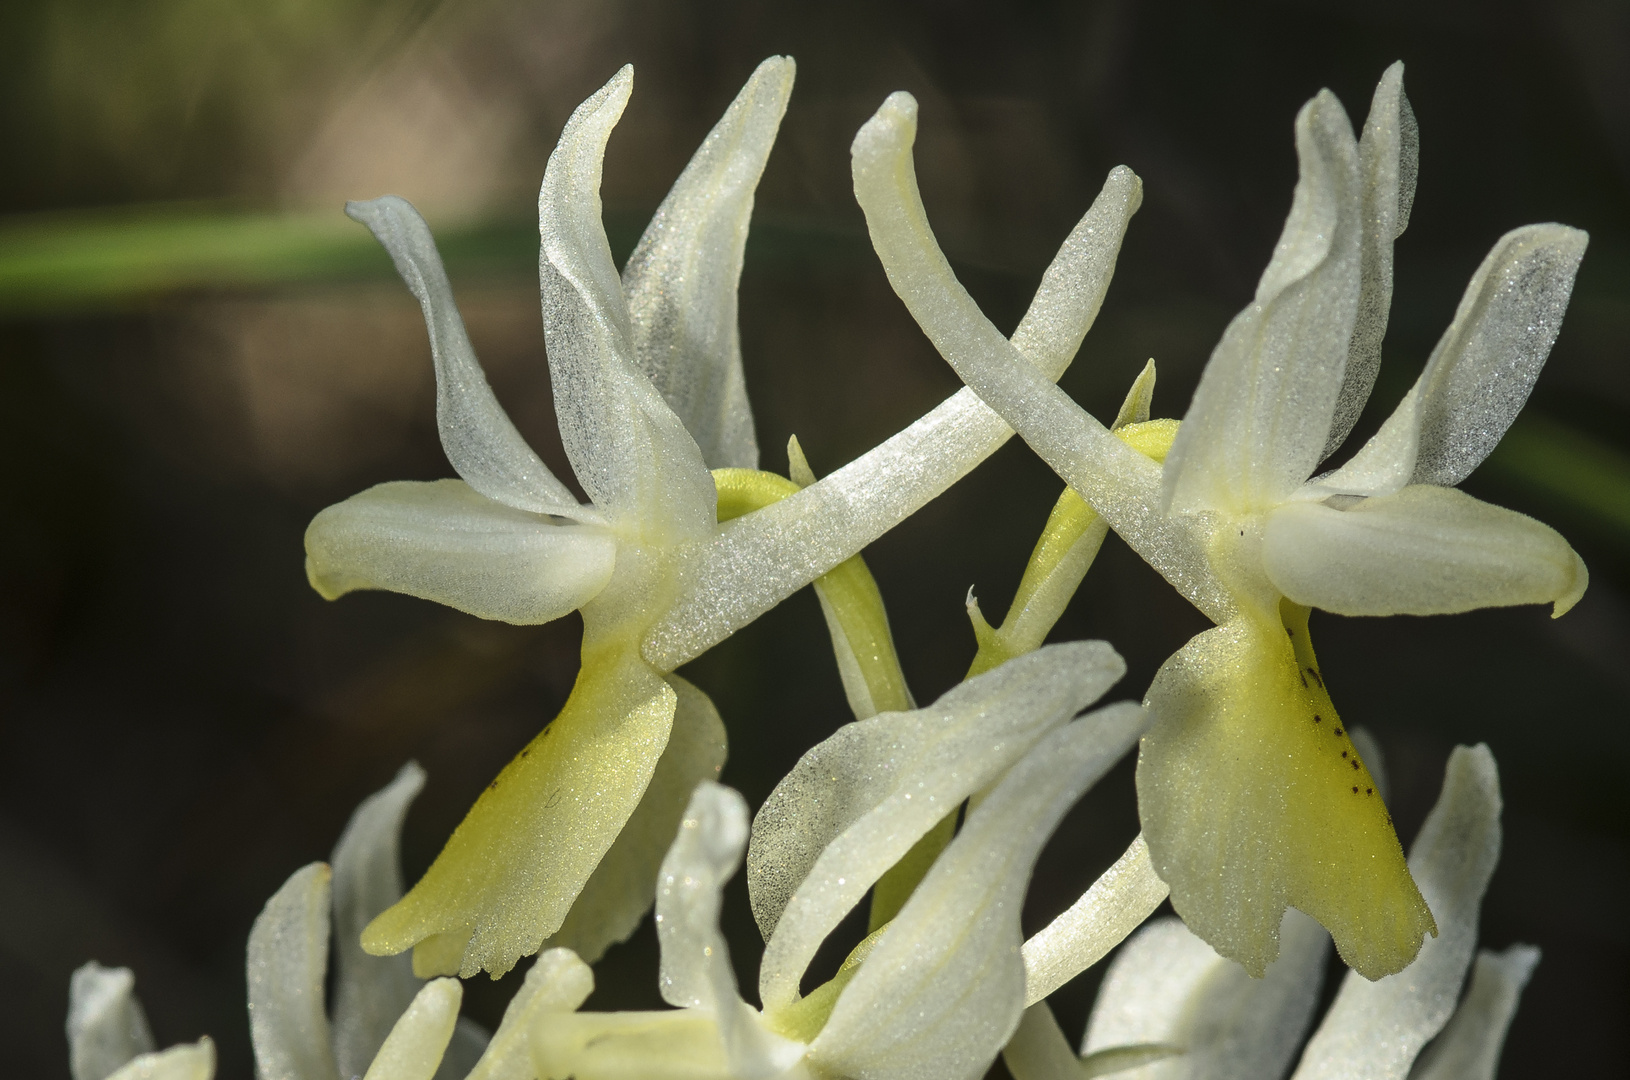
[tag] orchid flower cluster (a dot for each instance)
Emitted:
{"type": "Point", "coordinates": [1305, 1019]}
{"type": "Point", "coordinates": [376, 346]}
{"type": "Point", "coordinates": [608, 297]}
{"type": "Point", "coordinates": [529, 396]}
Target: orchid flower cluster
{"type": "Point", "coordinates": [1263, 814]}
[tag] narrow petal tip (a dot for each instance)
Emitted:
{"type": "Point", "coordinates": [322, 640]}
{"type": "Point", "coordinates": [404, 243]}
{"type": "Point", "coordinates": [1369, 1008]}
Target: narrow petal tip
{"type": "Point", "coordinates": [1576, 590]}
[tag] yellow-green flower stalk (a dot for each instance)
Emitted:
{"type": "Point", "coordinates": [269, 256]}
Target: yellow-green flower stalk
{"type": "Point", "coordinates": [1253, 798]}
{"type": "Point", "coordinates": [646, 372]}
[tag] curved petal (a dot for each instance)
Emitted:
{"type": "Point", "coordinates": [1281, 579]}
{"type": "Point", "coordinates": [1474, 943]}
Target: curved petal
{"type": "Point", "coordinates": [1125, 895]}
{"type": "Point", "coordinates": [370, 992]}
{"type": "Point", "coordinates": [1469, 1046]}
{"type": "Point", "coordinates": [1167, 987]}
{"type": "Point", "coordinates": [681, 280]}
{"type": "Point", "coordinates": [1375, 1029]}
{"type": "Point", "coordinates": [1388, 158]}
{"type": "Point", "coordinates": [288, 959]}
{"type": "Point", "coordinates": [557, 983]}
{"type": "Point", "coordinates": [619, 892]}
{"type": "Point", "coordinates": [189, 1061]}
{"type": "Point", "coordinates": [944, 987]}
{"type": "Point", "coordinates": [630, 452]}
{"type": "Point", "coordinates": [509, 873]}
{"type": "Point", "coordinates": [853, 806]}
{"type": "Point", "coordinates": [476, 433]}
{"type": "Point", "coordinates": [442, 541]}
{"type": "Point", "coordinates": [1424, 551]}
{"type": "Point", "coordinates": [106, 1024]}
{"type": "Point", "coordinates": [414, 1047]}
{"type": "Point", "coordinates": [1261, 414]}
{"type": "Point", "coordinates": [1253, 799]}
{"type": "Point", "coordinates": [1482, 370]}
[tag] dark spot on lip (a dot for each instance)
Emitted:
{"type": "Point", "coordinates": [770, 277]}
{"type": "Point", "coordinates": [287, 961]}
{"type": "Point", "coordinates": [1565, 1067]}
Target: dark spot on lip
{"type": "Point", "coordinates": [525, 751]}
{"type": "Point", "coordinates": [1340, 732]}
{"type": "Point", "coordinates": [1355, 763]}
{"type": "Point", "coordinates": [1317, 719]}
{"type": "Point", "coordinates": [493, 786]}
{"type": "Point", "coordinates": [1355, 791]}
{"type": "Point", "coordinates": [1344, 753]}
{"type": "Point", "coordinates": [1369, 791]}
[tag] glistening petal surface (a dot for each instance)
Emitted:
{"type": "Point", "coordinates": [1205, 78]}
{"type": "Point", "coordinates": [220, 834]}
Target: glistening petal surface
{"type": "Point", "coordinates": [370, 992]}
{"type": "Point", "coordinates": [1388, 152]}
{"type": "Point", "coordinates": [760, 559]}
{"type": "Point", "coordinates": [1424, 551]}
{"type": "Point", "coordinates": [681, 279]}
{"type": "Point", "coordinates": [630, 452]}
{"type": "Point", "coordinates": [288, 959]}
{"type": "Point", "coordinates": [1262, 412]}
{"type": "Point", "coordinates": [1375, 1029]}
{"type": "Point", "coordinates": [106, 1024]}
{"type": "Point", "coordinates": [619, 892]}
{"type": "Point", "coordinates": [443, 541]}
{"type": "Point", "coordinates": [944, 987]}
{"type": "Point", "coordinates": [558, 982]}
{"type": "Point", "coordinates": [1480, 374]}
{"type": "Point", "coordinates": [414, 1047]}
{"type": "Point", "coordinates": [480, 441]}
{"type": "Point", "coordinates": [1168, 987]}
{"type": "Point", "coordinates": [854, 804]}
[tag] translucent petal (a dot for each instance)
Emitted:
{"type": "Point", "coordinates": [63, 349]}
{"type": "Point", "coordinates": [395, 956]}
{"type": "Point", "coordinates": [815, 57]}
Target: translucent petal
{"type": "Point", "coordinates": [1126, 894]}
{"type": "Point", "coordinates": [1253, 799]}
{"type": "Point", "coordinates": [512, 868]}
{"type": "Point", "coordinates": [1167, 987]}
{"type": "Point", "coordinates": [1469, 1046]}
{"type": "Point", "coordinates": [557, 983]}
{"type": "Point", "coordinates": [288, 959]}
{"type": "Point", "coordinates": [696, 971]}
{"type": "Point", "coordinates": [1139, 398]}
{"type": "Point", "coordinates": [1423, 551]}
{"type": "Point", "coordinates": [630, 452]}
{"type": "Point", "coordinates": [681, 280]}
{"type": "Point", "coordinates": [1262, 412]}
{"type": "Point", "coordinates": [1388, 153]}
{"type": "Point", "coordinates": [189, 1061]}
{"type": "Point", "coordinates": [442, 541]}
{"type": "Point", "coordinates": [370, 992]}
{"type": "Point", "coordinates": [477, 435]}
{"type": "Point", "coordinates": [1120, 483]}
{"type": "Point", "coordinates": [853, 806]}
{"type": "Point", "coordinates": [106, 1024]}
{"type": "Point", "coordinates": [1482, 370]}
{"type": "Point", "coordinates": [620, 891]}
{"type": "Point", "coordinates": [944, 988]}
{"type": "Point", "coordinates": [414, 1047]}
{"type": "Point", "coordinates": [1375, 1029]}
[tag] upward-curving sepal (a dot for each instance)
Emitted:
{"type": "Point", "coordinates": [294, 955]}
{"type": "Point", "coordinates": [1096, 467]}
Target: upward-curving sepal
{"type": "Point", "coordinates": [370, 992]}
{"type": "Point", "coordinates": [1375, 1029]}
{"type": "Point", "coordinates": [944, 987]}
{"type": "Point", "coordinates": [477, 435]}
{"type": "Point", "coordinates": [440, 540]}
{"type": "Point", "coordinates": [1481, 372]}
{"type": "Point", "coordinates": [856, 803]}
{"type": "Point", "coordinates": [681, 280]}
{"type": "Point", "coordinates": [1388, 153]}
{"type": "Point", "coordinates": [629, 451]}
{"type": "Point", "coordinates": [287, 963]}
{"type": "Point", "coordinates": [106, 1024]}
{"type": "Point", "coordinates": [1262, 412]}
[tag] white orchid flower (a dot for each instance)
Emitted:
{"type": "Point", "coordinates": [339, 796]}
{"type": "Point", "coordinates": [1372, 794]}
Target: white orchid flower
{"type": "Point", "coordinates": [1171, 1008]}
{"type": "Point", "coordinates": [936, 992]}
{"type": "Point", "coordinates": [1251, 795]}
{"type": "Point", "coordinates": [648, 390]}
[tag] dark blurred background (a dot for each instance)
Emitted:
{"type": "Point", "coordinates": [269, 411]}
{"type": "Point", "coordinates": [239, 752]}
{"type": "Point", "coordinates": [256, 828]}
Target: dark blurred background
{"type": "Point", "coordinates": [198, 352]}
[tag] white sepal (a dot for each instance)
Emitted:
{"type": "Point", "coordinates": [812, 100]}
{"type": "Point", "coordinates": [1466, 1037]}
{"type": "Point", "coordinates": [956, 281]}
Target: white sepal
{"type": "Point", "coordinates": [682, 278]}
{"type": "Point", "coordinates": [856, 803]}
{"type": "Point", "coordinates": [480, 441]}
{"type": "Point", "coordinates": [440, 540]}
{"type": "Point", "coordinates": [943, 989]}
{"type": "Point", "coordinates": [1425, 550]}
{"type": "Point", "coordinates": [558, 982]}
{"type": "Point", "coordinates": [1262, 412]}
{"type": "Point", "coordinates": [414, 1047]}
{"type": "Point", "coordinates": [1468, 1048]}
{"type": "Point", "coordinates": [189, 1061]}
{"type": "Point", "coordinates": [106, 1024]}
{"type": "Point", "coordinates": [629, 451]}
{"type": "Point", "coordinates": [287, 962]}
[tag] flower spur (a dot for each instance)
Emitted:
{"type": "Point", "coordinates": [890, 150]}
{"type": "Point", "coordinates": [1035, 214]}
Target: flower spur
{"type": "Point", "coordinates": [1251, 795]}
{"type": "Point", "coordinates": [648, 390]}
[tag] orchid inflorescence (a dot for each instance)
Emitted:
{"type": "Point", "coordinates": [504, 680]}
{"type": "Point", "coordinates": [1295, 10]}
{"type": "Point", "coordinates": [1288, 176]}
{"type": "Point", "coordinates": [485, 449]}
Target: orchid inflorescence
{"type": "Point", "coordinates": [1264, 816]}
